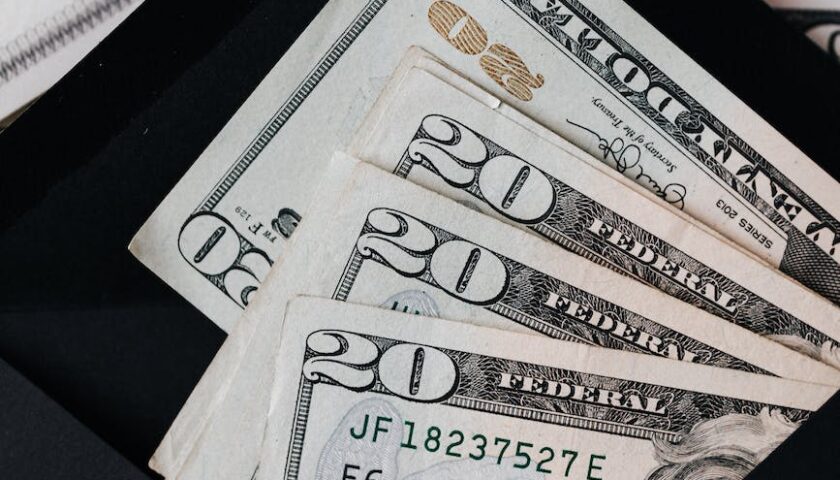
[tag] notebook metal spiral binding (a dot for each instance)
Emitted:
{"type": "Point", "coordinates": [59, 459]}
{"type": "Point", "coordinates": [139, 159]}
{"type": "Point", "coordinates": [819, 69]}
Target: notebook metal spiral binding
{"type": "Point", "coordinates": [55, 33]}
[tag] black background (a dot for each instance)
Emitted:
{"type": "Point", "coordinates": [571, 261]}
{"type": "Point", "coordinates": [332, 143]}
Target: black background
{"type": "Point", "coordinates": [87, 164]}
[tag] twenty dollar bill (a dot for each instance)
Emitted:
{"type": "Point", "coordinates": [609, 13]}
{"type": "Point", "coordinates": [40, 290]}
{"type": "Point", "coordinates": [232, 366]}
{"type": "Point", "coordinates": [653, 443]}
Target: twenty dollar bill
{"type": "Point", "coordinates": [378, 240]}
{"type": "Point", "coordinates": [593, 71]}
{"type": "Point", "coordinates": [366, 393]}
{"type": "Point", "coordinates": [473, 148]}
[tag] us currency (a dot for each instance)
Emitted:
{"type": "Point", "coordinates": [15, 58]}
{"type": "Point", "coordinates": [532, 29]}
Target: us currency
{"type": "Point", "coordinates": [818, 19]}
{"type": "Point", "coordinates": [427, 129]}
{"type": "Point", "coordinates": [593, 71]}
{"type": "Point", "coordinates": [41, 40]}
{"type": "Point", "coordinates": [367, 393]}
{"type": "Point", "coordinates": [375, 239]}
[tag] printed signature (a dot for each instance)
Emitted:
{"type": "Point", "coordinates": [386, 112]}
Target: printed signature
{"type": "Point", "coordinates": [626, 160]}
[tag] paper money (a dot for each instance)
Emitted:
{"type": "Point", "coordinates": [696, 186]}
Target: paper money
{"type": "Point", "coordinates": [477, 150]}
{"type": "Point", "coordinates": [593, 71]}
{"type": "Point", "coordinates": [366, 393]}
{"type": "Point", "coordinates": [375, 239]}
{"type": "Point", "coordinates": [818, 19]}
{"type": "Point", "coordinates": [41, 40]}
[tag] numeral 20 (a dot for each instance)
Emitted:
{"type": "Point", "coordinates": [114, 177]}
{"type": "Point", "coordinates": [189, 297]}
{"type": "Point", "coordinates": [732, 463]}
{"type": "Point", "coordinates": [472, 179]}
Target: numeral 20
{"type": "Point", "coordinates": [499, 61]}
{"type": "Point", "coordinates": [413, 372]}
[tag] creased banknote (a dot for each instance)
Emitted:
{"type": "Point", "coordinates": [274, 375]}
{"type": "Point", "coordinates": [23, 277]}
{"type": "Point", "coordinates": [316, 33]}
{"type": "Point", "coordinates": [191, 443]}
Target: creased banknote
{"type": "Point", "coordinates": [592, 71]}
{"type": "Point", "coordinates": [41, 40]}
{"type": "Point", "coordinates": [376, 239]}
{"type": "Point", "coordinates": [818, 19]}
{"type": "Point", "coordinates": [473, 148]}
{"type": "Point", "coordinates": [366, 393]}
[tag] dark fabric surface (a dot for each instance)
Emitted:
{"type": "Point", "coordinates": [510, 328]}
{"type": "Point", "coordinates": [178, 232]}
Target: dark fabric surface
{"type": "Point", "coordinates": [87, 164]}
{"type": "Point", "coordinates": [61, 448]}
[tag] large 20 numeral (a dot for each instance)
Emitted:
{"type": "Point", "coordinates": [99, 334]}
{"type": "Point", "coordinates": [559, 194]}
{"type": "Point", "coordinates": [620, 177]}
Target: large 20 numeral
{"type": "Point", "coordinates": [464, 270]}
{"type": "Point", "coordinates": [499, 62]}
{"type": "Point", "coordinates": [212, 246]}
{"type": "Point", "coordinates": [510, 185]}
{"type": "Point", "coordinates": [413, 372]}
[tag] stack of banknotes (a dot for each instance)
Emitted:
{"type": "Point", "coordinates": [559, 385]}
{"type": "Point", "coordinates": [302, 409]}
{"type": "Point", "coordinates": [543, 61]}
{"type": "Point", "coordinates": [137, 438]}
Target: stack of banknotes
{"type": "Point", "coordinates": [508, 239]}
